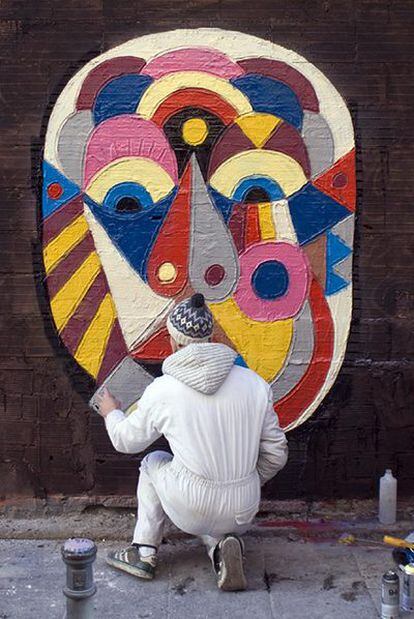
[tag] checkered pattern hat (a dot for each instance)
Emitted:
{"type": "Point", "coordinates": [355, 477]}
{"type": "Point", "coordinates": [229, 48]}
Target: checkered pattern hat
{"type": "Point", "coordinates": [191, 321]}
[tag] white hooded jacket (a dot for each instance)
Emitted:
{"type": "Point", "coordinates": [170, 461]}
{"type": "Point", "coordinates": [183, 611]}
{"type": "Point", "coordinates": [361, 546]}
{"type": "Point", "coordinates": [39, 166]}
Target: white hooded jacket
{"type": "Point", "coordinates": [218, 417]}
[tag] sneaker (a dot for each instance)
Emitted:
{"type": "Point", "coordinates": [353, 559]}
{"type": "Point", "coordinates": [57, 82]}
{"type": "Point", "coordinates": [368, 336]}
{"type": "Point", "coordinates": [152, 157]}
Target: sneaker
{"type": "Point", "coordinates": [130, 560]}
{"type": "Point", "coordinates": [229, 564]}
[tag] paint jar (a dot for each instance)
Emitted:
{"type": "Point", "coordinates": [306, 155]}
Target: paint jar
{"type": "Point", "coordinates": [388, 498]}
{"type": "Point", "coordinates": [407, 600]}
{"type": "Point", "coordinates": [390, 595]}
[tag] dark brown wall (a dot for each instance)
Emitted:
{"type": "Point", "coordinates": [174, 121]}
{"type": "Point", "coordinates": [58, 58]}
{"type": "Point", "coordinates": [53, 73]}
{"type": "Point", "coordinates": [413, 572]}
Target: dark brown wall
{"type": "Point", "coordinates": [49, 442]}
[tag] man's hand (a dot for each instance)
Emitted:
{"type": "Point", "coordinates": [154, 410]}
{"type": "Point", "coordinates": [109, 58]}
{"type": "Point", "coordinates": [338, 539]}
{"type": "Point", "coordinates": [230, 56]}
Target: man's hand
{"type": "Point", "coordinates": [106, 402]}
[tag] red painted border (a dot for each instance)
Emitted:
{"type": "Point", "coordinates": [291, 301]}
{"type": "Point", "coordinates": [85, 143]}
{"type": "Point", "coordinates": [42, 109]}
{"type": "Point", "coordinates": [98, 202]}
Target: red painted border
{"type": "Point", "coordinates": [293, 404]}
{"type": "Point", "coordinates": [194, 97]}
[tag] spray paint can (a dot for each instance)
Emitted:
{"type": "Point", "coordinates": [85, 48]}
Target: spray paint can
{"type": "Point", "coordinates": [390, 595]}
{"type": "Point", "coordinates": [407, 601]}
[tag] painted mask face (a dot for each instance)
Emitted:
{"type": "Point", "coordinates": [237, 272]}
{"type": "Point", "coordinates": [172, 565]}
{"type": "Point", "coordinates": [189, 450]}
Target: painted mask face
{"type": "Point", "coordinates": [202, 161]}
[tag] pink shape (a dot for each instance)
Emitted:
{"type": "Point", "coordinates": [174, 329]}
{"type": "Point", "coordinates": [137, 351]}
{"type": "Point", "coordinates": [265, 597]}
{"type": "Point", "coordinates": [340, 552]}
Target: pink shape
{"type": "Point", "coordinates": [193, 59]}
{"type": "Point", "coordinates": [297, 266]}
{"type": "Point", "coordinates": [127, 136]}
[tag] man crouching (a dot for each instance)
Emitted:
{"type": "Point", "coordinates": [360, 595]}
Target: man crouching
{"type": "Point", "coordinates": [219, 420]}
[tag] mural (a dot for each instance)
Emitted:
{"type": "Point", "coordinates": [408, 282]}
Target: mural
{"type": "Point", "coordinates": [207, 161]}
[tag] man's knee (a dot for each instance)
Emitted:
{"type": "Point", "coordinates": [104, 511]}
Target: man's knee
{"type": "Point", "coordinates": [154, 461]}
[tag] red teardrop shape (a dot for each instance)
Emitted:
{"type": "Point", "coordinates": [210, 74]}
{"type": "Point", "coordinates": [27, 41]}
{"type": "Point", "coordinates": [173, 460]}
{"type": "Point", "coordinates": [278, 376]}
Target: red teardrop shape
{"type": "Point", "coordinates": [167, 268]}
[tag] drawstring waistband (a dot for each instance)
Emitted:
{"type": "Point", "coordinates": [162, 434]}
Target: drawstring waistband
{"type": "Point", "coordinates": [179, 468]}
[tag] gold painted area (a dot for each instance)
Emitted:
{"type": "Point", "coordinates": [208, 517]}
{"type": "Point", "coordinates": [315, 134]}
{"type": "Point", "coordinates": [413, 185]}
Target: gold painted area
{"type": "Point", "coordinates": [62, 244]}
{"type": "Point", "coordinates": [194, 131]}
{"type": "Point", "coordinates": [263, 345]}
{"type": "Point", "coordinates": [258, 126]}
{"type": "Point", "coordinates": [92, 347]}
{"type": "Point", "coordinates": [267, 229]}
{"type": "Point", "coordinates": [65, 302]}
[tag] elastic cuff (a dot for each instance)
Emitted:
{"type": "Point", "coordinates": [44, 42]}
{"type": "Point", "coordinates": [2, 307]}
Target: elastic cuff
{"type": "Point", "coordinates": [145, 546]}
{"type": "Point", "coordinates": [114, 416]}
{"type": "Point", "coordinates": [153, 545]}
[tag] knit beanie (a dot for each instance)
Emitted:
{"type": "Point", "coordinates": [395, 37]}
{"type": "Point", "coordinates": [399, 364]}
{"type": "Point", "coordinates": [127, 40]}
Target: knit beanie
{"type": "Point", "coordinates": [191, 321]}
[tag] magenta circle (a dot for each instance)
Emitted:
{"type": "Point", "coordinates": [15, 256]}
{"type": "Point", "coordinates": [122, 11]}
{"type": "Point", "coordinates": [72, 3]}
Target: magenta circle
{"type": "Point", "coordinates": [296, 263]}
{"type": "Point", "coordinates": [214, 274]}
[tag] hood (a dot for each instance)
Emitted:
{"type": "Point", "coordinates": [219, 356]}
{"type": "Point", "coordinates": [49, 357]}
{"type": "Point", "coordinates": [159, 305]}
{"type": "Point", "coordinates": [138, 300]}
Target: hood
{"type": "Point", "coordinates": [204, 367]}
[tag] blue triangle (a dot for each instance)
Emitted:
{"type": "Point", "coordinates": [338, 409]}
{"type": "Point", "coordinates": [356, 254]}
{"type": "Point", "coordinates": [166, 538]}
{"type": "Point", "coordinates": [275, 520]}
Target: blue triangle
{"type": "Point", "coordinates": [240, 361]}
{"type": "Point", "coordinates": [336, 250]}
{"type": "Point", "coordinates": [313, 212]}
{"type": "Point", "coordinates": [133, 233]}
{"type": "Point", "coordinates": [70, 190]}
{"type": "Point", "coordinates": [334, 283]}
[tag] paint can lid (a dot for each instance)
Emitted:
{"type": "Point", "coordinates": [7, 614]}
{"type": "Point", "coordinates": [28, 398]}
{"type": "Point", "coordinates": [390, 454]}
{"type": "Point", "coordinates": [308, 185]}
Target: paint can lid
{"type": "Point", "coordinates": [390, 576]}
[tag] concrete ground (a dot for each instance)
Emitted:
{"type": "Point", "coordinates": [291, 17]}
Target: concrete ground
{"type": "Point", "coordinates": [289, 577]}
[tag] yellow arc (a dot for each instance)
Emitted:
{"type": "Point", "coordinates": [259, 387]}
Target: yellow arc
{"type": "Point", "coordinates": [263, 345]}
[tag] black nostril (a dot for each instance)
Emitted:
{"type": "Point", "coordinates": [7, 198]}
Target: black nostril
{"type": "Point", "coordinates": [128, 204]}
{"type": "Point", "coordinates": [256, 195]}
{"type": "Point", "coordinates": [156, 217]}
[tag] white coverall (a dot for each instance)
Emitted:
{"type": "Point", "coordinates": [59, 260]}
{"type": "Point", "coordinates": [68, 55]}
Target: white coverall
{"type": "Point", "coordinates": [219, 421]}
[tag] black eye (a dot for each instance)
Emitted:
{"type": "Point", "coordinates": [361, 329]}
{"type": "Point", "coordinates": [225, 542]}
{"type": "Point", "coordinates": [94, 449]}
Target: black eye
{"type": "Point", "coordinates": [128, 204]}
{"type": "Point", "coordinates": [256, 195]}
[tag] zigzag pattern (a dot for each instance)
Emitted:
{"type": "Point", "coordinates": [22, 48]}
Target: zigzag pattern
{"type": "Point", "coordinates": [192, 321]}
{"type": "Point", "coordinates": [338, 264]}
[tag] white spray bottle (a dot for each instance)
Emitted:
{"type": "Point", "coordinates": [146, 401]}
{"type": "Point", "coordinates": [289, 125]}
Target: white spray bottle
{"type": "Point", "coordinates": [388, 498]}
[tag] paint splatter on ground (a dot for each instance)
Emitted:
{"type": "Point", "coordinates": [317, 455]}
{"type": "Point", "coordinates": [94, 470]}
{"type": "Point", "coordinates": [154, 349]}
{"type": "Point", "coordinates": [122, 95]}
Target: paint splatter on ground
{"type": "Point", "coordinates": [287, 580]}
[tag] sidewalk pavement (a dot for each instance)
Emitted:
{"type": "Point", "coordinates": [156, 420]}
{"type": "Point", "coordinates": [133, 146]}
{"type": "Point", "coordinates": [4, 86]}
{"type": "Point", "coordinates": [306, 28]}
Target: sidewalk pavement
{"type": "Point", "coordinates": [287, 579]}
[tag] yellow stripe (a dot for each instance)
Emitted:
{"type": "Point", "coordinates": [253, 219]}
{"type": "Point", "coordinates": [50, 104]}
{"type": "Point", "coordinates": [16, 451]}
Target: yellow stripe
{"type": "Point", "coordinates": [65, 302]}
{"type": "Point", "coordinates": [267, 229]}
{"type": "Point", "coordinates": [64, 242]}
{"type": "Point", "coordinates": [92, 347]}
